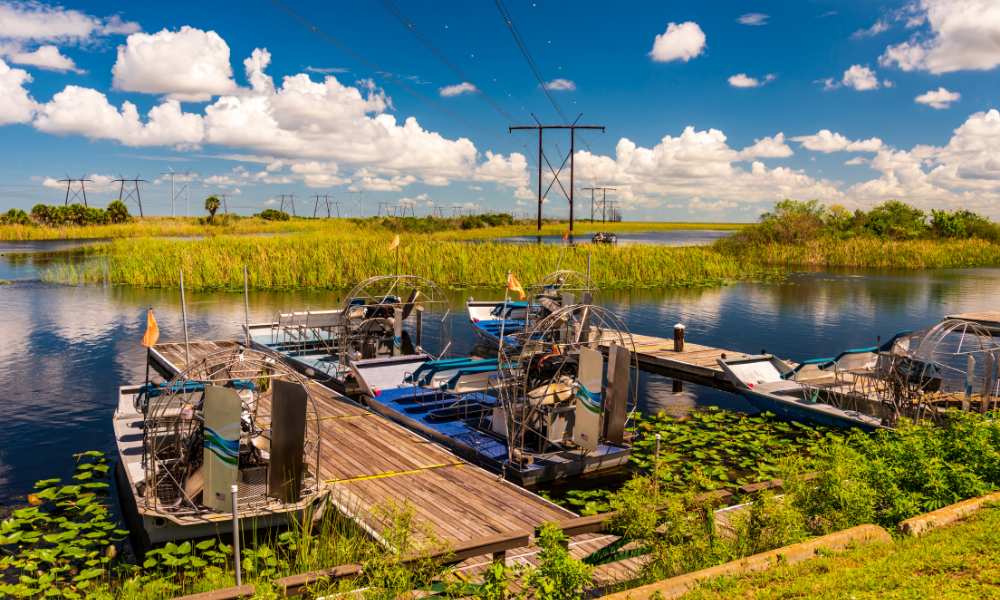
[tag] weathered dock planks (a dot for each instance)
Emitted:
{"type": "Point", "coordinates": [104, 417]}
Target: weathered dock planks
{"type": "Point", "coordinates": [369, 462]}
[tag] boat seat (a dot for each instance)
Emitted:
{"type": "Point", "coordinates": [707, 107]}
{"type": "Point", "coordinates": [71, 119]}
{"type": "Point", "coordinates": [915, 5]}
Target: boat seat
{"type": "Point", "coordinates": [451, 383]}
{"type": "Point", "coordinates": [426, 371]}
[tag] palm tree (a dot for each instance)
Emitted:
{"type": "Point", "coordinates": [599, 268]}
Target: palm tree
{"type": "Point", "coordinates": [212, 204]}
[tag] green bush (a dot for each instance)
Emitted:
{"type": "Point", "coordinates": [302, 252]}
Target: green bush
{"type": "Point", "coordinates": [118, 212]}
{"type": "Point", "coordinates": [963, 224]}
{"type": "Point", "coordinates": [15, 216]}
{"type": "Point", "coordinates": [270, 214]}
{"type": "Point", "coordinates": [74, 214]}
{"type": "Point", "coordinates": [558, 575]}
{"type": "Point", "coordinates": [895, 220]}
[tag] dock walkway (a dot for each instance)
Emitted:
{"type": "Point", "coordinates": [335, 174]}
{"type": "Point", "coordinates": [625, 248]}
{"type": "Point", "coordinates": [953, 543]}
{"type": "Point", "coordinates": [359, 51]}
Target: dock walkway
{"type": "Point", "coordinates": [369, 463]}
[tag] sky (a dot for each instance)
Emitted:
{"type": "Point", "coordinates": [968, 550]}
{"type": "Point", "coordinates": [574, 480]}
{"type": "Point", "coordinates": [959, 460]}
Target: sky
{"type": "Point", "coordinates": [712, 111]}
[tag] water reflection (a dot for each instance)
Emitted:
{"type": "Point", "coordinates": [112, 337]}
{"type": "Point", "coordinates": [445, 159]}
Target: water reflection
{"type": "Point", "coordinates": [67, 349]}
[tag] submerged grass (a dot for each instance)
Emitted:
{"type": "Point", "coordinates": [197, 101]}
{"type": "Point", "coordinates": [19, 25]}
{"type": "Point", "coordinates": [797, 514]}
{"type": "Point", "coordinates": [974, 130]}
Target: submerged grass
{"type": "Point", "coordinates": [321, 261]}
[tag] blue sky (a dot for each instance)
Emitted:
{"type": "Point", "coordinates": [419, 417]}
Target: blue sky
{"type": "Point", "coordinates": [713, 111]}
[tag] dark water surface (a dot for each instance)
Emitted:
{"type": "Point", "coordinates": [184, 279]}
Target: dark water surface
{"type": "Point", "coordinates": [65, 350]}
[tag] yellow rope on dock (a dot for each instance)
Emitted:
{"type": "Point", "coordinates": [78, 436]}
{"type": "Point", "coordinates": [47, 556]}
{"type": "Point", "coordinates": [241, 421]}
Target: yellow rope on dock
{"type": "Point", "coordinates": [395, 473]}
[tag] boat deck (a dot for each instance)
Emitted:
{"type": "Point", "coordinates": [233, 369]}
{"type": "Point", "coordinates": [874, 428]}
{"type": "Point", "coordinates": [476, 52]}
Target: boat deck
{"type": "Point", "coordinates": [370, 463]}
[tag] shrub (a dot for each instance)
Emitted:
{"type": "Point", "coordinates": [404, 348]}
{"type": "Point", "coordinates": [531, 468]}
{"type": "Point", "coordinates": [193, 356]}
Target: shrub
{"type": "Point", "coordinates": [558, 575]}
{"type": "Point", "coordinates": [896, 220]}
{"type": "Point", "coordinates": [270, 214]}
{"type": "Point", "coordinates": [118, 212]}
{"type": "Point", "coordinates": [963, 224]}
{"type": "Point", "coordinates": [15, 216]}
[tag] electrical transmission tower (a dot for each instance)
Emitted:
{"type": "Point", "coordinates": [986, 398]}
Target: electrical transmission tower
{"type": "Point", "coordinates": [604, 201]}
{"type": "Point", "coordinates": [328, 203]}
{"type": "Point", "coordinates": [572, 127]}
{"type": "Point", "coordinates": [403, 208]}
{"type": "Point", "coordinates": [290, 198]}
{"type": "Point", "coordinates": [438, 211]}
{"type": "Point", "coordinates": [82, 192]}
{"type": "Point", "coordinates": [390, 210]}
{"type": "Point", "coordinates": [177, 193]}
{"type": "Point", "coordinates": [225, 203]}
{"type": "Point", "coordinates": [132, 194]}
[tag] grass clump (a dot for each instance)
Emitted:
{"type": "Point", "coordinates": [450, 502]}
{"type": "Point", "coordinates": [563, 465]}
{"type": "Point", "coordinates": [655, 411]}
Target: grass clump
{"type": "Point", "coordinates": [960, 561]}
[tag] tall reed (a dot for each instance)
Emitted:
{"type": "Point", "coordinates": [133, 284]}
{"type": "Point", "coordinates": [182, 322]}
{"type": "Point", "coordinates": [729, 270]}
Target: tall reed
{"type": "Point", "coordinates": [315, 260]}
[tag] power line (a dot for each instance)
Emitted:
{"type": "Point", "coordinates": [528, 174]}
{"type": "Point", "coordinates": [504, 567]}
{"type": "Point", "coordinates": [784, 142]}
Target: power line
{"type": "Point", "coordinates": [462, 76]}
{"type": "Point", "coordinates": [315, 29]}
{"type": "Point", "coordinates": [519, 41]}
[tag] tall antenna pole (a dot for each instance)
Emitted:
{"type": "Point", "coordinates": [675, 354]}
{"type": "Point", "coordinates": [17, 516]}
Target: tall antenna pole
{"type": "Point", "coordinates": [184, 318]}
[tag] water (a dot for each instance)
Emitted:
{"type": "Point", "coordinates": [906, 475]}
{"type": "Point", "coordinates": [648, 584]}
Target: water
{"type": "Point", "coordinates": [675, 237]}
{"type": "Point", "coordinates": [66, 350]}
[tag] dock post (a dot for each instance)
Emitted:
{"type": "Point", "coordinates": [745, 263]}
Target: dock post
{"type": "Point", "coordinates": [678, 385]}
{"type": "Point", "coordinates": [236, 535]}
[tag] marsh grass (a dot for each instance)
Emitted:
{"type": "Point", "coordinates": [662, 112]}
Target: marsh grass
{"type": "Point", "coordinates": [321, 261]}
{"type": "Point", "coordinates": [868, 252]}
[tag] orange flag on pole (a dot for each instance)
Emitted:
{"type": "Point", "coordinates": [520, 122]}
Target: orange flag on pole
{"type": "Point", "coordinates": [515, 286]}
{"type": "Point", "coordinates": [152, 330]}
{"type": "Point", "coordinates": [395, 242]}
{"type": "Point", "coordinates": [566, 235]}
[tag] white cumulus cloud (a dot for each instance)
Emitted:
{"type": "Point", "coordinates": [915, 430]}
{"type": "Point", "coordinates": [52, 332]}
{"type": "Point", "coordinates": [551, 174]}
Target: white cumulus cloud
{"type": "Point", "coordinates": [679, 42]}
{"type": "Point", "coordinates": [560, 85]}
{"type": "Point", "coordinates": [458, 89]}
{"type": "Point", "coordinates": [87, 112]}
{"type": "Point", "coordinates": [34, 21]}
{"type": "Point", "coordinates": [767, 147]}
{"type": "Point", "coordinates": [860, 78]}
{"type": "Point", "coordinates": [742, 80]}
{"type": "Point", "coordinates": [754, 19]}
{"type": "Point", "coordinates": [960, 35]}
{"type": "Point", "coordinates": [188, 64]}
{"type": "Point", "coordinates": [940, 98]}
{"type": "Point", "coordinates": [46, 57]}
{"type": "Point", "coordinates": [827, 141]}
{"type": "Point", "coordinates": [16, 104]}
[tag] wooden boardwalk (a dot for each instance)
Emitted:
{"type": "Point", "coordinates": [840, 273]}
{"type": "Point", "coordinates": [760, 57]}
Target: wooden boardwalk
{"type": "Point", "coordinates": [369, 463]}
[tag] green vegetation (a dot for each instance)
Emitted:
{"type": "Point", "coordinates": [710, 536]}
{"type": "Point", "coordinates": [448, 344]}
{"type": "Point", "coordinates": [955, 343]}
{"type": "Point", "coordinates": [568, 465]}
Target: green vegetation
{"type": "Point", "coordinates": [891, 235]}
{"type": "Point", "coordinates": [960, 561]}
{"type": "Point", "coordinates": [708, 450]}
{"type": "Point", "coordinates": [212, 205]}
{"type": "Point", "coordinates": [339, 259]}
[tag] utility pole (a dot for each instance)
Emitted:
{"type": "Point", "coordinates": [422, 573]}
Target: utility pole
{"type": "Point", "coordinates": [291, 202]}
{"type": "Point", "coordinates": [225, 203]}
{"type": "Point", "coordinates": [572, 127]}
{"type": "Point", "coordinates": [134, 193]}
{"type": "Point", "coordinates": [76, 193]}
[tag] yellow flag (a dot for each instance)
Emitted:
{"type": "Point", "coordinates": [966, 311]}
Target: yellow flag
{"type": "Point", "coordinates": [395, 242]}
{"type": "Point", "coordinates": [515, 286]}
{"type": "Point", "coordinates": [152, 330]}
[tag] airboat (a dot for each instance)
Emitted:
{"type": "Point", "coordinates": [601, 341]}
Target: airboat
{"type": "Point", "coordinates": [522, 411]}
{"type": "Point", "coordinates": [915, 375]}
{"type": "Point", "coordinates": [492, 319]}
{"type": "Point", "coordinates": [237, 417]}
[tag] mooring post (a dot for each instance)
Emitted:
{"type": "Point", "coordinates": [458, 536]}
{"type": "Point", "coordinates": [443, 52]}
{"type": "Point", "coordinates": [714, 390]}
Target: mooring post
{"type": "Point", "coordinates": [679, 337]}
{"type": "Point", "coordinates": [236, 534]}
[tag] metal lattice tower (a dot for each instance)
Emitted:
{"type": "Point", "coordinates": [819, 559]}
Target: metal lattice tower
{"type": "Point", "coordinates": [131, 194]}
{"type": "Point", "coordinates": [81, 192]}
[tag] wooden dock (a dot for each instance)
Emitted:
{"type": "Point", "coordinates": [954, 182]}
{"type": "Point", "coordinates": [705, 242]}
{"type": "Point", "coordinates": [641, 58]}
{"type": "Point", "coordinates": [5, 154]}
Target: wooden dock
{"type": "Point", "coordinates": [695, 363]}
{"type": "Point", "coordinates": [369, 463]}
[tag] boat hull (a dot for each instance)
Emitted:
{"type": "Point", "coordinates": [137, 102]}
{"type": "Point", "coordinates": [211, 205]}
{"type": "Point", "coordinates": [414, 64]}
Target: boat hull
{"type": "Point", "coordinates": [791, 410]}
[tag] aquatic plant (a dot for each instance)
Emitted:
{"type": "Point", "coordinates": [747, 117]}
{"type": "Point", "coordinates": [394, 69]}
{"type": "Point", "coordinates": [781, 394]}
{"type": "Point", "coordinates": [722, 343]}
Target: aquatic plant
{"type": "Point", "coordinates": [558, 576]}
{"type": "Point", "coordinates": [65, 541]}
{"type": "Point", "coordinates": [711, 449]}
